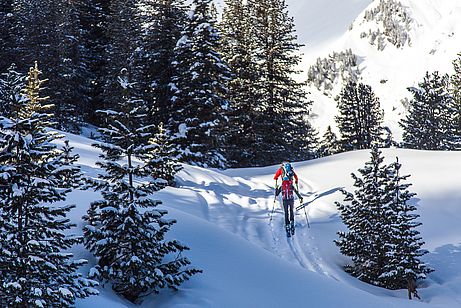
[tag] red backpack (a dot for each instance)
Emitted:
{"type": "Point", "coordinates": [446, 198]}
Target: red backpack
{"type": "Point", "coordinates": [287, 190]}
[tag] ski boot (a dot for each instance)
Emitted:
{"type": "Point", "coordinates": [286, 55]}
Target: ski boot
{"type": "Point", "coordinates": [292, 227]}
{"type": "Point", "coordinates": [288, 230]}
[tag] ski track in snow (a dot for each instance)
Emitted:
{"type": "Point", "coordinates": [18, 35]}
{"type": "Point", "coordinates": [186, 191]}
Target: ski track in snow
{"type": "Point", "coordinates": [252, 223]}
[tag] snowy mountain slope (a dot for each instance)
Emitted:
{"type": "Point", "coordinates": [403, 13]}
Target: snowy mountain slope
{"type": "Point", "coordinates": [248, 262]}
{"type": "Point", "coordinates": [435, 36]}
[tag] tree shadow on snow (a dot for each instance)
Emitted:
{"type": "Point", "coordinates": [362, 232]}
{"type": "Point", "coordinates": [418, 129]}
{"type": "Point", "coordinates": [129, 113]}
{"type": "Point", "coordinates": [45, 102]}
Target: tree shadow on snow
{"type": "Point", "coordinates": [446, 260]}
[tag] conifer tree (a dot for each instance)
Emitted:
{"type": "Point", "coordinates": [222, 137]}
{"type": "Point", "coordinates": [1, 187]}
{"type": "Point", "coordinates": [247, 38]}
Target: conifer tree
{"type": "Point", "coordinates": [282, 100]}
{"type": "Point", "coordinates": [123, 50]}
{"type": "Point", "coordinates": [166, 20]}
{"type": "Point", "coordinates": [70, 72]}
{"type": "Point", "coordinates": [35, 270]}
{"type": "Point", "coordinates": [7, 34]}
{"type": "Point", "coordinates": [94, 18]}
{"type": "Point", "coordinates": [329, 144]}
{"type": "Point", "coordinates": [198, 122]}
{"type": "Point", "coordinates": [11, 85]}
{"type": "Point", "coordinates": [162, 157]}
{"type": "Point", "coordinates": [125, 231]}
{"type": "Point", "coordinates": [238, 50]}
{"type": "Point", "coordinates": [363, 212]}
{"type": "Point", "coordinates": [430, 123]}
{"type": "Point", "coordinates": [382, 239]}
{"type": "Point", "coordinates": [360, 117]}
{"type": "Point", "coordinates": [387, 138]}
{"type": "Point", "coordinates": [302, 140]}
{"type": "Point", "coordinates": [72, 175]}
{"type": "Point", "coordinates": [404, 267]}
{"type": "Point", "coordinates": [455, 90]}
{"type": "Point", "coordinates": [269, 115]}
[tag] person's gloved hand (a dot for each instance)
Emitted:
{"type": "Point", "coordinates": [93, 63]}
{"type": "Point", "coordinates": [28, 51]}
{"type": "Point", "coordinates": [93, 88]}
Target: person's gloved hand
{"type": "Point", "coordinates": [301, 200]}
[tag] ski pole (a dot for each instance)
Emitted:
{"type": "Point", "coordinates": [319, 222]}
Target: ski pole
{"type": "Point", "coordinates": [307, 219]}
{"type": "Point", "coordinates": [273, 205]}
{"type": "Point", "coordinates": [273, 209]}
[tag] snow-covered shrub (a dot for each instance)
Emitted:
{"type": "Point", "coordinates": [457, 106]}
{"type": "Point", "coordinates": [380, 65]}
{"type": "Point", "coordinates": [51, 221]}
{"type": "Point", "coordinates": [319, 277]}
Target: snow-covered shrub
{"type": "Point", "coordinates": [393, 22]}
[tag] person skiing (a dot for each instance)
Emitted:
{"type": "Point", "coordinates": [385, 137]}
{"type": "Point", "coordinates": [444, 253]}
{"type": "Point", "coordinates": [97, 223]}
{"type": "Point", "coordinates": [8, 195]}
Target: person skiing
{"type": "Point", "coordinates": [287, 173]}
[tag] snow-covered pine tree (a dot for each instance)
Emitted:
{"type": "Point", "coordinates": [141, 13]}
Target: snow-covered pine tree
{"type": "Point", "coordinates": [430, 122]}
{"type": "Point", "coordinates": [94, 16]}
{"type": "Point", "coordinates": [123, 50]}
{"type": "Point", "coordinates": [198, 124]}
{"type": "Point", "coordinates": [404, 266]}
{"type": "Point", "coordinates": [7, 34]}
{"type": "Point", "coordinates": [72, 175]}
{"type": "Point", "coordinates": [360, 117]}
{"type": "Point", "coordinates": [165, 19]}
{"type": "Point", "coordinates": [125, 231]}
{"type": "Point", "coordinates": [364, 214]}
{"type": "Point", "coordinates": [70, 71]}
{"type": "Point", "coordinates": [329, 144]}
{"type": "Point", "coordinates": [455, 90]}
{"type": "Point", "coordinates": [162, 157]}
{"type": "Point", "coordinates": [387, 138]}
{"type": "Point", "coordinates": [11, 85]}
{"type": "Point", "coordinates": [282, 106]}
{"type": "Point", "coordinates": [303, 139]}
{"type": "Point", "coordinates": [35, 269]}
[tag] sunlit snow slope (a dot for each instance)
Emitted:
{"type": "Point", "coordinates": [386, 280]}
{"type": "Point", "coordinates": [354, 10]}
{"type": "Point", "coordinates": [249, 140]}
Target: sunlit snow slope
{"type": "Point", "coordinates": [248, 262]}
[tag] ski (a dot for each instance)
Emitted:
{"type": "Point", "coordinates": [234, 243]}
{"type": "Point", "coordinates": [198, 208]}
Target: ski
{"type": "Point", "coordinates": [305, 204]}
{"type": "Point", "coordinates": [301, 206]}
{"type": "Point", "coordinates": [288, 230]}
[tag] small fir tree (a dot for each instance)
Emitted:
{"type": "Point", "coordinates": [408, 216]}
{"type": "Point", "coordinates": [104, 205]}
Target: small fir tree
{"type": "Point", "coordinates": [8, 27]}
{"type": "Point", "coordinates": [11, 85]}
{"type": "Point", "coordinates": [329, 144]}
{"type": "Point", "coordinates": [73, 177]}
{"type": "Point", "coordinates": [125, 230]}
{"type": "Point", "coordinates": [166, 20]}
{"type": "Point", "coordinates": [35, 270]}
{"type": "Point", "coordinates": [162, 157]}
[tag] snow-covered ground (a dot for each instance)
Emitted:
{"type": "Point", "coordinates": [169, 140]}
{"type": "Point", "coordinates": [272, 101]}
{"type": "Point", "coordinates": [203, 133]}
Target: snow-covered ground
{"type": "Point", "coordinates": [248, 262]}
